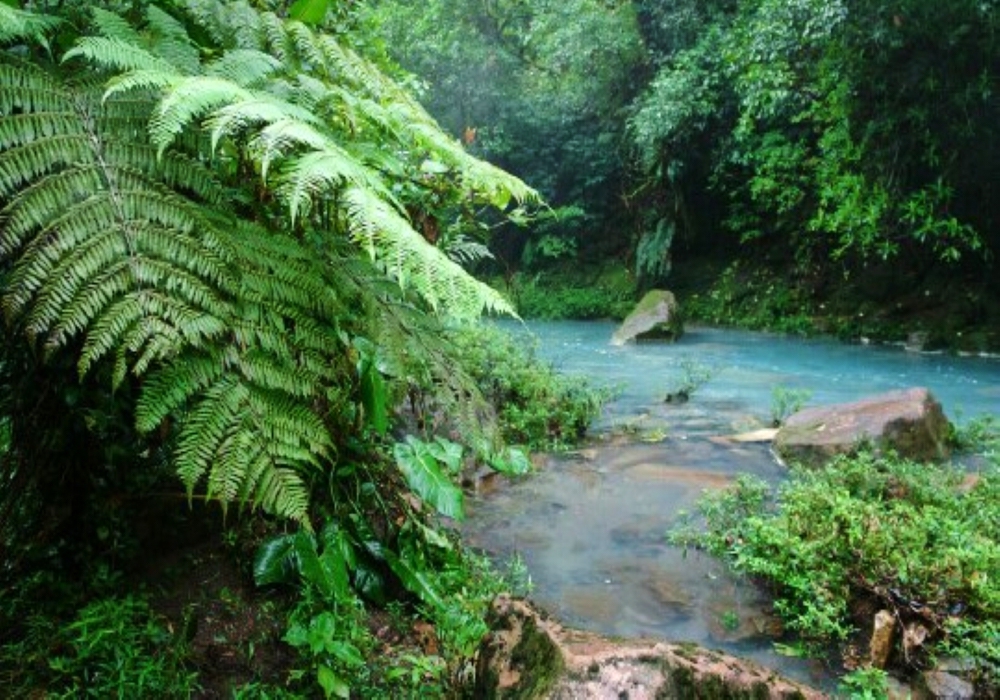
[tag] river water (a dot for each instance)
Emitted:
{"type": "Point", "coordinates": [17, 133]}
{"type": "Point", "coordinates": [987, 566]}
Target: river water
{"type": "Point", "coordinates": [590, 524]}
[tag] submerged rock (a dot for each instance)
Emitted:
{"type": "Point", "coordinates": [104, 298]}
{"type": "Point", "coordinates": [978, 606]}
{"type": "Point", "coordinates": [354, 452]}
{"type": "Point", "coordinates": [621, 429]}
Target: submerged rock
{"type": "Point", "coordinates": [529, 656]}
{"type": "Point", "coordinates": [908, 421]}
{"type": "Point", "coordinates": [938, 685]}
{"type": "Point", "coordinates": [657, 316]}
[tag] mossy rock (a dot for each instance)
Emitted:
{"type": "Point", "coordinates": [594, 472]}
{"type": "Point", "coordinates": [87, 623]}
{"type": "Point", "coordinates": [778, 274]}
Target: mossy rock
{"type": "Point", "coordinates": [657, 316]}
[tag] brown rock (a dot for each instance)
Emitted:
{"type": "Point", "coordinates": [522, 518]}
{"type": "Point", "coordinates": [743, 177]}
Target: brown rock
{"type": "Point", "coordinates": [529, 656]}
{"type": "Point", "coordinates": [880, 646]}
{"type": "Point", "coordinates": [908, 421]}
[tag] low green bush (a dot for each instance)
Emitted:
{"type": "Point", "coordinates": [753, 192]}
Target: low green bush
{"type": "Point", "coordinates": [565, 295]}
{"type": "Point", "coordinates": [867, 533]}
{"type": "Point", "coordinates": [537, 406]}
{"type": "Point", "coordinates": [755, 299]}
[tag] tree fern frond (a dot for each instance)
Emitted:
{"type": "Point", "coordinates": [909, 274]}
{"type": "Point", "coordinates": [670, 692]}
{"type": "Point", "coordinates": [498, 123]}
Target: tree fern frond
{"type": "Point", "coordinates": [265, 109]}
{"type": "Point", "coordinates": [276, 139]}
{"type": "Point", "coordinates": [247, 68]}
{"type": "Point", "coordinates": [18, 129]}
{"type": "Point", "coordinates": [171, 41]}
{"type": "Point", "coordinates": [169, 389]}
{"type": "Point", "coordinates": [282, 492]}
{"type": "Point", "coordinates": [290, 423]}
{"type": "Point", "coordinates": [118, 54]}
{"type": "Point", "coordinates": [206, 426]}
{"type": "Point", "coordinates": [307, 51]}
{"type": "Point", "coordinates": [188, 99]}
{"type": "Point", "coordinates": [352, 69]}
{"type": "Point", "coordinates": [130, 320]}
{"type": "Point", "coordinates": [23, 164]}
{"type": "Point", "coordinates": [277, 41]}
{"type": "Point", "coordinates": [410, 259]}
{"type": "Point", "coordinates": [322, 172]}
{"type": "Point", "coordinates": [113, 26]}
{"type": "Point", "coordinates": [19, 25]}
{"type": "Point", "coordinates": [29, 89]}
{"type": "Point", "coordinates": [151, 80]}
{"type": "Point", "coordinates": [466, 251]}
{"type": "Point", "coordinates": [175, 170]}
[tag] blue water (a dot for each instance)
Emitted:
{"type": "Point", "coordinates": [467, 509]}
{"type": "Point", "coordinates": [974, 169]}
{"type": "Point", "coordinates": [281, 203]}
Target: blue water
{"type": "Point", "coordinates": [590, 525]}
{"type": "Point", "coordinates": [747, 366]}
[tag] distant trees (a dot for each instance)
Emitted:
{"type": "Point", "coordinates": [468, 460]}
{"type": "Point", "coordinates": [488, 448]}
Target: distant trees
{"type": "Point", "coordinates": [843, 129]}
{"type": "Point", "coordinates": [848, 130]}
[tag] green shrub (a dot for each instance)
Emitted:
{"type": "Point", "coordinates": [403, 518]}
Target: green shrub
{"type": "Point", "coordinates": [537, 407]}
{"type": "Point", "coordinates": [564, 296]}
{"type": "Point", "coordinates": [865, 533]}
{"type": "Point", "coordinates": [757, 299]}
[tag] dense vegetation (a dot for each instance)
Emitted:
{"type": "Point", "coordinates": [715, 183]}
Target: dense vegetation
{"type": "Point", "coordinates": [220, 265]}
{"type": "Point", "coordinates": [239, 338]}
{"type": "Point", "coordinates": [863, 534]}
{"type": "Point", "coordinates": [845, 149]}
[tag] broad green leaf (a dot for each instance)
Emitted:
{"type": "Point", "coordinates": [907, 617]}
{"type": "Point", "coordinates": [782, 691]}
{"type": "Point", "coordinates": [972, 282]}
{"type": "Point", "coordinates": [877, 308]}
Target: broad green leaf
{"type": "Point", "coordinates": [374, 394]}
{"type": "Point", "coordinates": [424, 476]}
{"type": "Point", "coordinates": [309, 11]}
{"type": "Point", "coordinates": [417, 580]}
{"type": "Point", "coordinates": [447, 452]}
{"type": "Point", "coordinates": [333, 686]}
{"type": "Point", "coordinates": [373, 397]}
{"type": "Point", "coordinates": [273, 561]}
{"type": "Point", "coordinates": [310, 566]}
{"type": "Point", "coordinates": [511, 461]}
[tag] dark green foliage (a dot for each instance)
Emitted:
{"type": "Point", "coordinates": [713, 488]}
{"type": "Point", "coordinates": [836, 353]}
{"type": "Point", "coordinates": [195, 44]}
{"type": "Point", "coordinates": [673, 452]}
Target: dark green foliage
{"type": "Point", "coordinates": [865, 533]}
{"type": "Point", "coordinates": [831, 129]}
{"type": "Point", "coordinates": [571, 293]}
{"type": "Point", "coordinates": [537, 87]}
{"type": "Point", "coordinates": [119, 648]}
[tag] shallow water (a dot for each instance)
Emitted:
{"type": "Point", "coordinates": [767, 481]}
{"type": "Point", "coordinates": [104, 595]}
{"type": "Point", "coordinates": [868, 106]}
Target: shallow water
{"type": "Point", "coordinates": [590, 525]}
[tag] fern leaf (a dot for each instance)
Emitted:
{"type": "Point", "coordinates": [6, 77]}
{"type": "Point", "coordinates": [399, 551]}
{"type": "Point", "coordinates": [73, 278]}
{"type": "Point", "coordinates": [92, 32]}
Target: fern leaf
{"type": "Point", "coordinates": [152, 80]}
{"type": "Point", "coordinates": [322, 172]}
{"type": "Point", "coordinates": [410, 259]}
{"type": "Point", "coordinates": [188, 99]}
{"type": "Point", "coordinates": [29, 89]}
{"type": "Point", "coordinates": [247, 68]}
{"type": "Point", "coordinates": [238, 115]}
{"type": "Point", "coordinates": [19, 25]}
{"type": "Point", "coordinates": [118, 54]}
{"type": "Point", "coordinates": [22, 164]}
{"type": "Point", "coordinates": [277, 41]}
{"type": "Point", "coordinates": [112, 26]}
{"type": "Point", "coordinates": [169, 389]}
{"type": "Point", "coordinates": [171, 41]}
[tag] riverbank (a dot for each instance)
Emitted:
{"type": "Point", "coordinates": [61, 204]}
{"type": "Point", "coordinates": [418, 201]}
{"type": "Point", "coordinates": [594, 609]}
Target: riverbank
{"type": "Point", "coordinates": [938, 309]}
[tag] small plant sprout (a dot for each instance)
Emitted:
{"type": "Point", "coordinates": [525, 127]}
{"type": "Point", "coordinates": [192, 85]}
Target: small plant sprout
{"type": "Point", "coordinates": [694, 375]}
{"type": "Point", "coordinates": [786, 401]}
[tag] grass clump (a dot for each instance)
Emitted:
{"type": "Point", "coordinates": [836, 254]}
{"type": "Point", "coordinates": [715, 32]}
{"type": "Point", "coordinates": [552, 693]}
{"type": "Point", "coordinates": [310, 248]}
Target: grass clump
{"type": "Point", "coordinates": [866, 533]}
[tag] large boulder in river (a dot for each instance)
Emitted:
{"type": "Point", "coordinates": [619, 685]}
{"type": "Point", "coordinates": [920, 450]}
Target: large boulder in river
{"type": "Point", "coordinates": [529, 656]}
{"type": "Point", "coordinates": [909, 422]}
{"type": "Point", "coordinates": [656, 317]}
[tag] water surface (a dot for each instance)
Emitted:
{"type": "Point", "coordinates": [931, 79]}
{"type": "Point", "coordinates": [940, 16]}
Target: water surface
{"type": "Point", "coordinates": [590, 525]}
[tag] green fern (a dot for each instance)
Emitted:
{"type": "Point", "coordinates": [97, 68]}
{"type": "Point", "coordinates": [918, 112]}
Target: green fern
{"type": "Point", "coordinates": [123, 250]}
{"type": "Point", "coordinates": [18, 25]}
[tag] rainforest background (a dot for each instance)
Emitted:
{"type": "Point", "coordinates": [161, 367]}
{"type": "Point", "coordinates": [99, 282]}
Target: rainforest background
{"type": "Point", "coordinates": [238, 242]}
